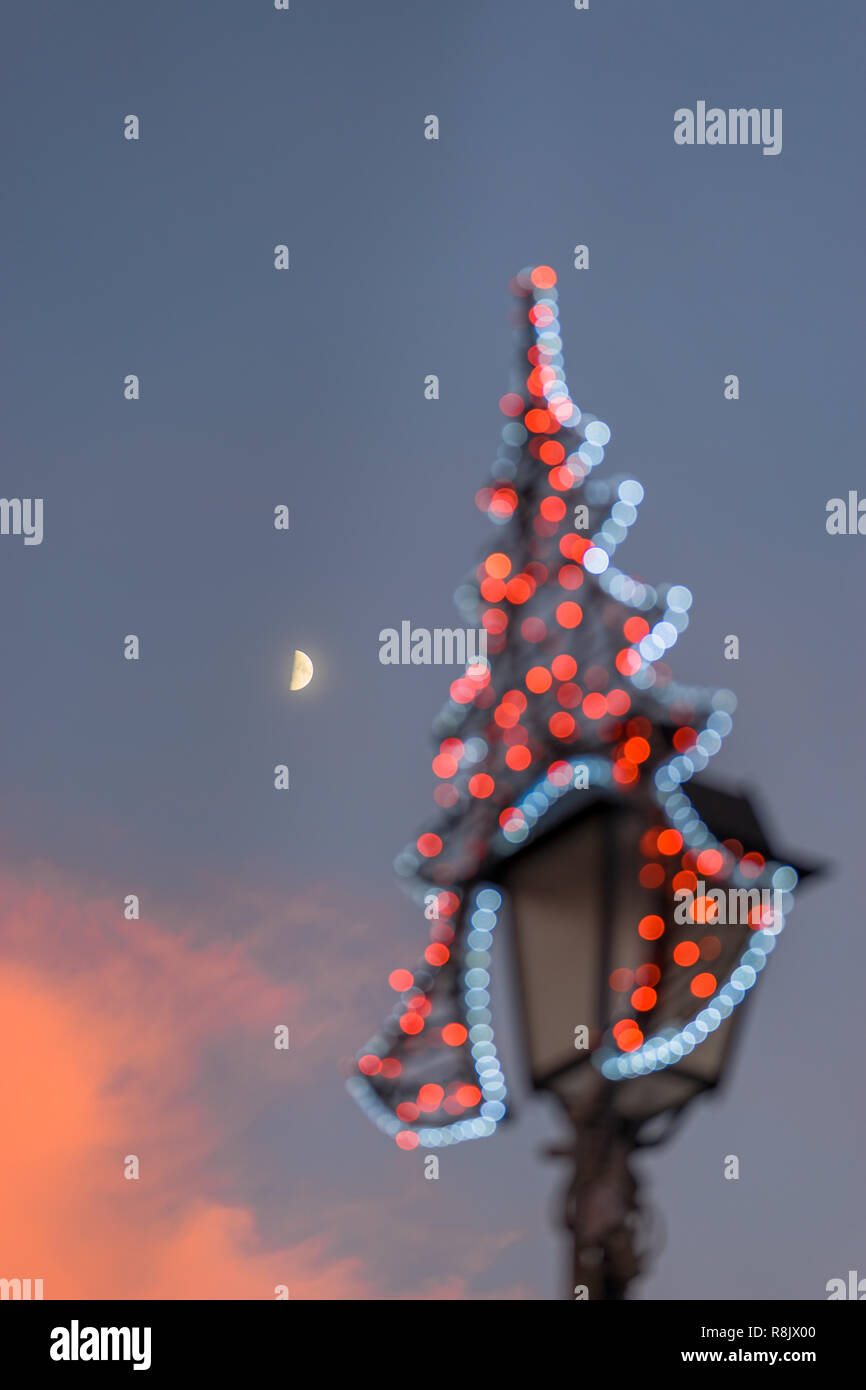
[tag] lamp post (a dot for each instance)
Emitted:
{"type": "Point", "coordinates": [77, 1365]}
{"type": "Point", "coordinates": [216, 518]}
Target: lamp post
{"type": "Point", "coordinates": [644, 900]}
{"type": "Point", "coordinates": [573, 897]}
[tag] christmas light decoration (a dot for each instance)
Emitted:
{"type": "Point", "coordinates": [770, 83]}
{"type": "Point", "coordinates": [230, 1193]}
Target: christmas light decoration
{"type": "Point", "coordinates": [574, 701]}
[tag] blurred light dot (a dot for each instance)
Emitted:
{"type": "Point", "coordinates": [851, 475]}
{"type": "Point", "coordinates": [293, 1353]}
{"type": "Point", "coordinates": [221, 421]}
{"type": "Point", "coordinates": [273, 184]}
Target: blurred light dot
{"type": "Point", "coordinates": [538, 679]}
{"type": "Point", "coordinates": [596, 560]}
{"type": "Point", "coordinates": [533, 630]}
{"type": "Point", "coordinates": [519, 589]}
{"type": "Point", "coordinates": [679, 598]}
{"type": "Point", "coordinates": [497, 565]}
{"type": "Point", "coordinates": [543, 277]}
{"type": "Point", "coordinates": [631, 492]}
{"type": "Point", "coordinates": [635, 629]}
{"type": "Point", "coordinates": [563, 667]}
{"type": "Point", "coordinates": [670, 842]}
{"type": "Point", "coordinates": [552, 508]}
{"type": "Point", "coordinates": [751, 865]}
{"type": "Point", "coordinates": [540, 422]}
{"type": "Point", "coordinates": [569, 615]}
{"type": "Point", "coordinates": [627, 662]}
{"type": "Point", "coordinates": [647, 975]}
{"type": "Point", "coordinates": [444, 765]}
{"type": "Point", "coordinates": [503, 504]}
{"type": "Point", "coordinates": [597, 432]}
{"type": "Point", "coordinates": [489, 898]}
{"type": "Point", "coordinates": [492, 590]}
{"type": "Point", "coordinates": [637, 750]}
{"type": "Point", "coordinates": [621, 980]}
{"type": "Point", "coordinates": [561, 725]}
{"type": "Point", "coordinates": [430, 1097]}
{"type": "Point", "coordinates": [570, 576]}
{"type": "Point", "coordinates": [595, 706]}
{"type": "Point", "coordinates": [481, 785]}
{"type": "Point", "coordinates": [651, 927]}
{"type": "Point", "coordinates": [551, 452]}
{"type": "Point", "coordinates": [652, 876]}
{"type": "Point", "coordinates": [436, 953]}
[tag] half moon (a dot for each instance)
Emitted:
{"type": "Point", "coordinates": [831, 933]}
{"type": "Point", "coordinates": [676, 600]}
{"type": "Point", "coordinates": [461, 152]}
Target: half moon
{"type": "Point", "coordinates": [302, 671]}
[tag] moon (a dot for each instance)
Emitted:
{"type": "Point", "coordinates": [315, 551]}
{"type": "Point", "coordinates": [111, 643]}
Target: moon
{"type": "Point", "coordinates": [302, 671]}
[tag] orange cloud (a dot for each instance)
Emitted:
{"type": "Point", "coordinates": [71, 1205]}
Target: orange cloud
{"type": "Point", "coordinates": [108, 1031]}
{"type": "Point", "coordinates": [155, 1039]}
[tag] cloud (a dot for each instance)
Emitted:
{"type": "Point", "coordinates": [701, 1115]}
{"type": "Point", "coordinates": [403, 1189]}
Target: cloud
{"type": "Point", "coordinates": [154, 1038]}
{"type": "Point", "coordinates": [109, 1032]}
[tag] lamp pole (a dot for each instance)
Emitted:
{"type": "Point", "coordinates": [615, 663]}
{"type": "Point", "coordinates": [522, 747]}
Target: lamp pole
{"type": "Point", "coordinates": [601, 1208]}
{"type": "Point", "coordinates": [644, 901]}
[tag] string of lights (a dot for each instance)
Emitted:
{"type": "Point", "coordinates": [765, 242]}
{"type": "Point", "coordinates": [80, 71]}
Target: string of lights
{"type": "Point", "coordinates": [575, 699]}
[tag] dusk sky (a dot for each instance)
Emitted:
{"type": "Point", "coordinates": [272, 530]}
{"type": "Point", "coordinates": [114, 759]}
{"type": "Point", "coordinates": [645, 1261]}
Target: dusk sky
{"type": "Point", "coordinates": [306, 387]}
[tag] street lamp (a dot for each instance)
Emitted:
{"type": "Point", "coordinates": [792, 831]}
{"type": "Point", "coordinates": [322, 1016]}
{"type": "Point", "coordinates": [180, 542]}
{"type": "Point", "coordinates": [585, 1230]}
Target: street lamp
{"type": "Point", "coordinates": [645, 901]}
{"type": "Point", "coordinates": [573, 897]}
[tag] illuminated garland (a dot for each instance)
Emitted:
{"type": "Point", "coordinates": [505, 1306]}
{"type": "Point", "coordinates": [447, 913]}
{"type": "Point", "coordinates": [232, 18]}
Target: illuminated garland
{"type": "Point", "coordinates": [491, 789]}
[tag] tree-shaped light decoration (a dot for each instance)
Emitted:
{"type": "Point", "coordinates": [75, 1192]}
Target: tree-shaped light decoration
{"type": "Point", "coordinates": [575, 701]}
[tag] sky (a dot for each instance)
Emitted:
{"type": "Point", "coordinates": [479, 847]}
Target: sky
{"type": "Point", "coordinates": [306, 387]}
